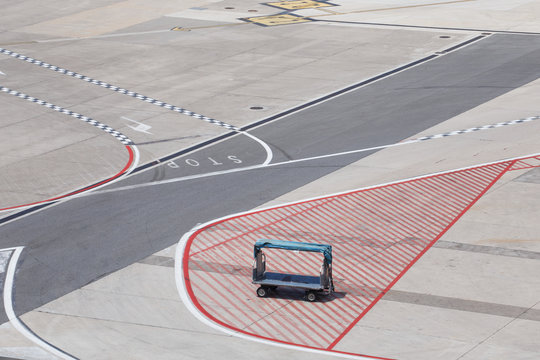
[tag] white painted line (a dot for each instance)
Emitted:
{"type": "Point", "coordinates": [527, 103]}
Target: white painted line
{"type": "Point", "coordinates": [118, 89]}
{"type": "Point", "coordinates": [199, 226]}
{"type": "Point", "coordinates": [10, 312]}
{"type": "Point", "coordinates": [180, 250]}
{"type": "Point", "coordinates": [1, 73]}
{"type": "Point", "coordinates": [136, 159]}
{"type": "Point", "coordinates": [269, 154]}
{"type": "Point", "coordinates": [140, 126]}
{"type": "Point", "coordinates": [247, 168]}
{"type": "Point", "coordinates": [378, 77]}
{"type": "Point", "coordinates": [265, 164]}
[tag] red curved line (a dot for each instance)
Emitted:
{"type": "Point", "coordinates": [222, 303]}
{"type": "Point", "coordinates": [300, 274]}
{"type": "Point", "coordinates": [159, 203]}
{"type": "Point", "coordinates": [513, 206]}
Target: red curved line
{"type": "Point", "coordinates": [126, 167]}
{"type": "Point", "coordinates": [185, 267]}
{"type": "Point", "coordinates": [185, 261]}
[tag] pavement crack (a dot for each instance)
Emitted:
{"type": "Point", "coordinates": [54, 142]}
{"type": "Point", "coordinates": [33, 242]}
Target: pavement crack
{"type": "Point", "coordinates": [498, 330]}
{"type": "Point", "coordinates": [191, 331]}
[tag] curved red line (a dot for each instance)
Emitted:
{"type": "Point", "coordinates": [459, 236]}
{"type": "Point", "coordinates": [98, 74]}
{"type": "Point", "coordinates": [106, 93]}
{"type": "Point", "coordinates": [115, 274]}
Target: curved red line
{"type": "Point", "coordinates": [507, 165]}
{"type": "Point", "coordinates": [126, 167]}
{"type": "Point", "coordinates": [189, 289]}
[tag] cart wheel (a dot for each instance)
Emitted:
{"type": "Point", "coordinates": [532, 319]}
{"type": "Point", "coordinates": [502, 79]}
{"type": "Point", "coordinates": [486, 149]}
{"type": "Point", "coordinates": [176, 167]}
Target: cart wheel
{"type": "Point", "coordinates": [262, 291]}
{"type": "Point", "coordinates": [311, 296]}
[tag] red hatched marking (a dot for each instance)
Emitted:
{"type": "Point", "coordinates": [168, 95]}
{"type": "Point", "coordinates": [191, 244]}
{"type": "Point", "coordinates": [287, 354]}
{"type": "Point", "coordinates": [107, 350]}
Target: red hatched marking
{"type": "Point", "coordinates": [377, 234]}
{"type": "Point", "coordinates": [527, 163]}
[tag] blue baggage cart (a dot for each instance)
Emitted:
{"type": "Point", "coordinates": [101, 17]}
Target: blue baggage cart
{"type": "Point", "coordinates": [313, 285]}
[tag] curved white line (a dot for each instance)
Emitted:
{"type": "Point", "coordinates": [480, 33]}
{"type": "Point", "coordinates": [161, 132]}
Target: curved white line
{"type": "Point", "coordinates": [180, 286]}
{"type": "Point", "coordinates": [136, 160]}
{"type": "Point", "coordinates": [10, 312]}
{"type": "Point", "coordinates": [269, 154]}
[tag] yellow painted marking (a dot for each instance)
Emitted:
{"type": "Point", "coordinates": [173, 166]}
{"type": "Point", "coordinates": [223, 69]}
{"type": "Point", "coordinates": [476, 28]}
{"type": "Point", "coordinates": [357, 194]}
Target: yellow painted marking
{"type": "Point", "coordinates": [274, 20]}
{"type": "Point", "coordinates": [299, 4]}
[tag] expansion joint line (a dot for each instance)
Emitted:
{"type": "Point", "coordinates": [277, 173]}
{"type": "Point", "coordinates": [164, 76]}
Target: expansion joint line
{"type": "Point", "coordinates": [119, 90]}
{"type": "Point", "coordinates": [118, 135]}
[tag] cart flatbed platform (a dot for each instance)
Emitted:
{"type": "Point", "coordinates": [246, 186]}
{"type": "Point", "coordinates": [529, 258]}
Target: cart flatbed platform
{"type": "Point", "coordinates": [290, 280]}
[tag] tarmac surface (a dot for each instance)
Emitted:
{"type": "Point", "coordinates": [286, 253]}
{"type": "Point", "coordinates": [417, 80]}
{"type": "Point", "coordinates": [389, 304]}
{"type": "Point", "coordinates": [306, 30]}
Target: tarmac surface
{"type": "Point", "coordinates": [214, 115]}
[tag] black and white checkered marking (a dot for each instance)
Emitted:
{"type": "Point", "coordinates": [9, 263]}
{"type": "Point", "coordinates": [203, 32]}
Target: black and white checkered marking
{"type": "Point", "coordinates": [485, 127]}
{"type": "Point", "coordinates": [119, 90]}
{"type": "Point", "coordinates": [214, 121]}
{"type": "Point", "coordinates": [118, 135]}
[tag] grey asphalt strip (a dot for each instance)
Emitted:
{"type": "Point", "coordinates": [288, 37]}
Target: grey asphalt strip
{"type": "Point", "coordinates": [531, 176]}
{"type": "Point", "coordinates": [492, 250]}
{"type": "Point", "coordinates": [463, 305]}
{"type": "Point", "coordinates": [397, 295]}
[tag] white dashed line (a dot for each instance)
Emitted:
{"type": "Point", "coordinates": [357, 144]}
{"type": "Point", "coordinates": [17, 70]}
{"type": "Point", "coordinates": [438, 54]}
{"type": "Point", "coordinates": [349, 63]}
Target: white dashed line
{"type": "Point", "coordinates": [424, 138]}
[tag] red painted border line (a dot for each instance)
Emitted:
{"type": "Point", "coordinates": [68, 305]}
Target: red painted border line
{"type": "Point", "coordinates": [499, 169]}
{"type": "Point", "coordinates": [339, 338]}
{"type": "Point", "coordinates": [189, 289]}
{"type": "Point", "coordinates": [126, 167]}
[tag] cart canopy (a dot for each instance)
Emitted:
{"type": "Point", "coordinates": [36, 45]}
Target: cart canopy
{"type": "Point", "coordinates": [326, 250]}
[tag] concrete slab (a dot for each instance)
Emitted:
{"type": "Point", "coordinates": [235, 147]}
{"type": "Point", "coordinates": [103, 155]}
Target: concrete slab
{"type": "Point", "coordinates": [516, 335]}
{"type": "Point", "coordinates": [217, 72]}
{"type": "Point", "coordinates": [430, 332]}
{"type": "Point", "coordinates": [118, 313]}
{"type": "Point", "coordinates": [104, 19]}
{"type": "Point", "coordinates": [482, 15]}
{"type": "Point", "coordinates": [487, 352]}
{"type": "Point", "coordinates": [58, 148]}
{"type": "Point", "coordinates": [15, 346]}
{"type": "Point", "coordinates": [471, 276]}
{"type": "Point", "coordinates": [440, 333]}
{"type": "Point", "coordinates": [112, 340]}
{"type": "Point", "coordinates": [411, 160]}
{"type": "Point", "coordinates": [116, 317]}
{"type": "Point", "coordinates": [500, 221]}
